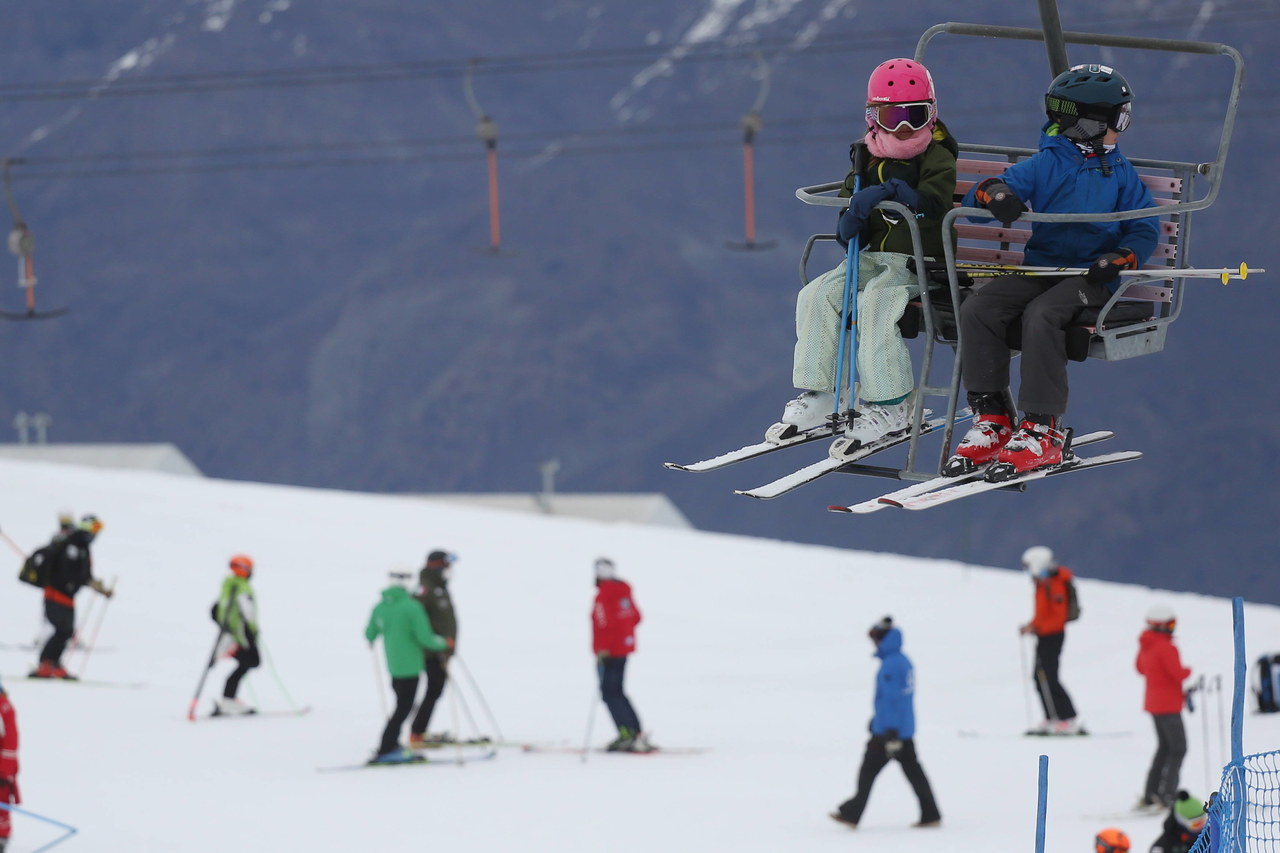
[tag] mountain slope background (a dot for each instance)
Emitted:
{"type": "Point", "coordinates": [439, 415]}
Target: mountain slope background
{"type": "Point", "coordinates": [753, 650]}
{"type": "Point", "coordinates": [284, 280]}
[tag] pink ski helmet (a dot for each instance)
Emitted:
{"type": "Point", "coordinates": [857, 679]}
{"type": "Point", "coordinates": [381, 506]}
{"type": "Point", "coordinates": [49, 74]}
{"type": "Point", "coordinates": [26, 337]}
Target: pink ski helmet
{"type": "Point", "coordinates": [899, 81]}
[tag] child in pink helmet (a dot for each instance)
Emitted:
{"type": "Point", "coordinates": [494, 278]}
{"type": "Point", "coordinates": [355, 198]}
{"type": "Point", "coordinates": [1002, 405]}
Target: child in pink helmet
{"type": "Point", "coordinates": [907, 156]}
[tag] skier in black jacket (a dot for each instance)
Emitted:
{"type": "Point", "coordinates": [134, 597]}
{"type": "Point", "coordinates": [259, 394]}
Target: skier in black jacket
{"type": "Point", "coordinates": [1182, 827]}
{"type": "Point", "coordinates": [433, 594]}
{"type": "Point", "coordinates": [70, 567]}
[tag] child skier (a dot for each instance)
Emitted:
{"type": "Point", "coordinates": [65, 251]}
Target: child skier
{"type": "Point", "coordinates": [237, 614]}
{"type": "Point", "coordinates": [1078, 169]}
{"type": "Point", "coordinates": [1111, 840]}
{"type": "Point", "coordinates": [1052, 584]}
{"type": "Point", "coordinates": [1160, 664]}
{"type": "Point", "coordinates": [406, 637]}
{"type": "Point", "coordinates": [908, 156]}
{"type": "Point", "coordinates": [70, 567]}
{"type": "Point", "coordinates": [8, 764]}
{"type": "Point", "coordinates": [1186, 820]}
{"type": "Point", "coordinates": [614, 617]}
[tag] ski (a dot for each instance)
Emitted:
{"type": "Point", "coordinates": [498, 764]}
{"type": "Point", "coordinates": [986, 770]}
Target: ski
{"type": "Point", "coordinates": [294, 712]}
{"type": "Point", "coordinates": [577, 750]}
{"type": "Point", "coordinates": [895, 499]}
{"type": "Point", "coordinates": [823, 467]}
{"type": "Point", "coordinates": [417, 761]}
{"type": "Point", "coordinates": [971, 733]}
{"type": "Point", "coordinates": [87, 682]}
{"type": "Point", "coordinates": [751, 451]}
{"type": "Point", "coordinates": [975, 487]}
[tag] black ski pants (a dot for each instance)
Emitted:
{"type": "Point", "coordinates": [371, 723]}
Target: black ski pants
{"type": "Point", "coordinates": [437, 675]}
{"type": "Point", "coordinates": [1053, 696]}
{"type": "Point", "coordinates": [63, 619]}
{"type": "Point", "coordinates": [1171, 748]}
{"type": "Point", "coordinates": [873, 761]}
{"type": "Point", "coordinates": [246, 658]}
{"type": "Point", "coordinates": [405, 689]}
{"type": "Point", "coordinates": [611, 671]}
{"type": "Point", "coordinates": [1044, 307]}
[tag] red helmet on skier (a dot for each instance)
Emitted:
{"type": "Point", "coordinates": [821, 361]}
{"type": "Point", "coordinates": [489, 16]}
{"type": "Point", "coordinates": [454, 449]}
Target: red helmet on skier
{"type": "Point", "coordinates": [241, 565]}
{"type": "Point", "coordinates": [1111, 840]}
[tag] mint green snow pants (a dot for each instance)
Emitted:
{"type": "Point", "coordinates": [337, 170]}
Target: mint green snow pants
{"type": "Point", "coordinates": [885, 286]}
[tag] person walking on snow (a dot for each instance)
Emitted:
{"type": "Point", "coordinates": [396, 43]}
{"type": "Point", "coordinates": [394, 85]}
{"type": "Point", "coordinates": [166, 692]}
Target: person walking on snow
{"type": "Point", "coordinates": [908, 156]}
{"type": "Point", "coordinates": [433, 594]}
{"type": "Point", "coordinates": [1049, 625]}
{"type": "Point", "coordinates": [70, 567]}
{"type": "Point", "coordinates": [614, 617]}
{"type": "Point", "coordinates": [1186, 820]}
{"type": "Point", "coordinates": [1159, 663]}
{"type": "Point", "coordinates": [406, 637]}
{"type": "Point", "coordinates": [236, 613]}
{"type": "Point", "coordinates": [8, 764]}
{"type": "Point", "coordinates": [1078, 169]}
{"type": "Point", "coordinates": [893, 728]}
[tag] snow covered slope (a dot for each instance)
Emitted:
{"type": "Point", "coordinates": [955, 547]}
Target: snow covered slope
{"type": "Point", "coordinates": [755, 649]}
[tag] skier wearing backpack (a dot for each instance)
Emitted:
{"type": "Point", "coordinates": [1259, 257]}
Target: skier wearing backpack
{"type": "Point", "coordinates": [1054, 606]}
{"type": "Point", "coordinates": [1160, 664]}
{"type": "Point", "coordinates": [893, 728]}
{"type": "Point", "coordinates": [907, 155]}
{"type": "Point", "coordinates": [236, 613]}
{"type": "Point", "coordinates": [433, 595]}
{"type": "Point", "coordinates": [8, 764]}
{"type": "Point", "coordinates": [67, 567]}
{"type": "Point", "coordinates": [406, 637]}
{"type": "Point", "coordinates": [1078, 169]}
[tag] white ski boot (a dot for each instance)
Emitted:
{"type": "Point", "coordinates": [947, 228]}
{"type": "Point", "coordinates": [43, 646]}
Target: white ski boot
{"type": "Point", "coordinates": [809, 410]}
{"type": "Point", "coordinates": [231, 707]}
{"type": "Point", "coordinates": [871, 423]}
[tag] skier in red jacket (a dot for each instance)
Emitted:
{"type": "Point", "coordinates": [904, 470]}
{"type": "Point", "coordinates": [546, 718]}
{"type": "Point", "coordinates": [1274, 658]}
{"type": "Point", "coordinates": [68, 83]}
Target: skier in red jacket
{"type": "Point", "coordinates": [1049, 625]}
{"type": "Point", "coordinates": [1158, 661]}
{"type": "Point", "coordinates": [8, 764]}
{"type": "Point", "coordinates": [614, 618]}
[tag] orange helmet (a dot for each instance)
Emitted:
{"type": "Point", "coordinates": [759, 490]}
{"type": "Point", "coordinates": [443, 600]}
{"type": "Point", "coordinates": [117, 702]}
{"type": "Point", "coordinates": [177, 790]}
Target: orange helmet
{"type": "Point", "coordinates": [1111, 840]}
{"type": "Point", "coordinates": [242, 565]}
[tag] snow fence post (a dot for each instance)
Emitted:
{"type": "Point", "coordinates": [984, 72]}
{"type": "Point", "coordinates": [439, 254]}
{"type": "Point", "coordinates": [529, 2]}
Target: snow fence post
{"type": "Point", "coordinates": [1042, 799]}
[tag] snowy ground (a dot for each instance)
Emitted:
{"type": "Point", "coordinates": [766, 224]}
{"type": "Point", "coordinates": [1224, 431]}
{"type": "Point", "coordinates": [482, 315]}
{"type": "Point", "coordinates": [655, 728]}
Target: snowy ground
{"type": "Point", "coordinates": [754, 649]}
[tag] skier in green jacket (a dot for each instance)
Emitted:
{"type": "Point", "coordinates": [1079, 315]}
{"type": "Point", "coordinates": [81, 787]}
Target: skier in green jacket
{"type": "Point", "coordinates": [237, 614]}
{"type": "Point", "coordinates": [406, 637]}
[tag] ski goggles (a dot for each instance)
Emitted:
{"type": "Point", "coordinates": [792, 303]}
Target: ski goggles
{"type": "Point", "coordinates": [1089, 116]}
{"type": "Point", "coordinates": [892, 117]}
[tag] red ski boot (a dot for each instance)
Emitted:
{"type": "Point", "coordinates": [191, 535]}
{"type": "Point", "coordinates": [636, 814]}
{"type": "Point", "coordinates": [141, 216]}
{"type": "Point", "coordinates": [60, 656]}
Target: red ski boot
{"type": "Point", "coordinates": [985, 438]}
{"type": "Point", "coordinates": [1033, 446]}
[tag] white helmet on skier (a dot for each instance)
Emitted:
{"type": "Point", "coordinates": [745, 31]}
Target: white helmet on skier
{"type": "Point", "coordinates": [1038, 560]}
{"type": "Point", "coordinates": [1161, 618]}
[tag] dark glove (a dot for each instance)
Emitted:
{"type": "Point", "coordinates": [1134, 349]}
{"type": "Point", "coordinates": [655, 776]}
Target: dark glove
{"type": "Point", "coordinates": [1106, 269]}
{"type": "Point", "coordinates": [854, 220]}
{"type": "Point", "coordinates": [995, 195]}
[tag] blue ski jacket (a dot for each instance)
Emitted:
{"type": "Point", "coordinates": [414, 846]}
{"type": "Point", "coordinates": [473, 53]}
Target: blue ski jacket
{"type": "Point", "coordinates": [1061, 179]}
{"type": "Point", "coordinates": [895, 689]}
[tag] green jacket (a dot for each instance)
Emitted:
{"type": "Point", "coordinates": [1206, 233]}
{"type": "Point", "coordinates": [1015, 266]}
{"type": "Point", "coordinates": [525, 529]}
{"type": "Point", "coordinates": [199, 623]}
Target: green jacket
{"type": "Point", "coordinates": [237, 610]}
{"type": "Point", "coordinates": [933, 176]}
{"type": "Point", "coordinates": [406, 632]}
{"type": "Point", "coordinates": [438, 604]}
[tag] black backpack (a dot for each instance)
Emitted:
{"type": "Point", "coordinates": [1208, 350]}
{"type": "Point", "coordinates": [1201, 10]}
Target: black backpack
{"type": "Point", "coordinates": [35, 569]}
{"type": "Point", "coordinates": [1073, 602]}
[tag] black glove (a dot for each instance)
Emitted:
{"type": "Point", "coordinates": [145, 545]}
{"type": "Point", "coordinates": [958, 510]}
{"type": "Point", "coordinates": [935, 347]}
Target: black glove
{"type": "Point", "coordinates": [1106, 269]}
{"type": "Point", "coordinates": [995, 195]}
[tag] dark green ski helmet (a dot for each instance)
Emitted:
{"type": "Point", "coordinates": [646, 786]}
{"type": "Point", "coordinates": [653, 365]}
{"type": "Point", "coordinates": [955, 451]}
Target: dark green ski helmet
{"type": "Point", "coordinates": [1087, 99]}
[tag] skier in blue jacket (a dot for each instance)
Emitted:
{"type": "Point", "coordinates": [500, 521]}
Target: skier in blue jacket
{"type": "Point", "coordinates": [893, 727]}
{"type": "Point", "coordinates": [1078, 169]}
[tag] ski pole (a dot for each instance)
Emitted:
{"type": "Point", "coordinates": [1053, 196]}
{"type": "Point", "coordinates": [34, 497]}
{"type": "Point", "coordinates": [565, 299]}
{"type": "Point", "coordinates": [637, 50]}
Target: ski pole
{"type": "Point", "coordinates": [1223, 274]}
{"type": "Point", "coordinates": [213, 658]}
{"type": "Point", "coordinates": [377, 680]}
{"type": "Point", "coordinates": [271, 665]}
{"type": "Point", "coordinates": [849, 312]}
{"type": "Point", "coordinates": [462, 700]}
{"type": "Point", "coordinates": [14, 545]}
{"type": "Point", "coordinates": [102, 614]}
{"type": "Point", "coordinates": [591, 715]}
{"type": "Point", "coordinates": [70, 830]}
{"type": "Point", "coordinates": [1204, 723]}
{"type": "Point", "coordinates": [479, 695]}
{"type": "Point", "coordinates": [1222, 720]}
{"type": "Point", "coordinates": [1026, 680]}
{"type": "Point", "coordinates": [452, 687]}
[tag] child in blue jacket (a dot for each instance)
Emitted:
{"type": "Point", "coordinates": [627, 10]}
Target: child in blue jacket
{"type": "Point", "coordinates": [893, 727]}
{"type": "Point", "coordinates": [1078, 169]}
